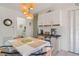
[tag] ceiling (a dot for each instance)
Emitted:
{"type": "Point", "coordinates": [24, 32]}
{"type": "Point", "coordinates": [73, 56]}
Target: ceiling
{"type": "Point", "coordinates": [39, 6]}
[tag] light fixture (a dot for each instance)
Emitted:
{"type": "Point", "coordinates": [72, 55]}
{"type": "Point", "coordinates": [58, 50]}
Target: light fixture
{"type": "Point", "coordinates": [29, 16]}
{"type": "Point", "coordinates": [25, 13]}
{"type": "Point", "coordinates": [26, 7]}
{"type": "Point", "coordinates": [31, 8]}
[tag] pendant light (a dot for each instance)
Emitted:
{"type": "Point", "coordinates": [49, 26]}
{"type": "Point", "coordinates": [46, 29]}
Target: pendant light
{"type": "Point", "coordinates": [26, 7]}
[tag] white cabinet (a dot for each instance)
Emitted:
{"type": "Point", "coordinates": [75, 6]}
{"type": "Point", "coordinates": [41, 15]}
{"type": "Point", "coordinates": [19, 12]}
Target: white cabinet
{"type": "Point", "coordinates": [45, 19]}
{"type": "Point", "coordinates": [56, 17]}
{"type": "Point", "coordinates": [55, 45]}
{"type": "Point", "coordinates": [49, 18]}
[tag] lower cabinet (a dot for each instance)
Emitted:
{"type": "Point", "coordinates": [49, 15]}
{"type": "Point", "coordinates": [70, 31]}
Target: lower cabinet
{"type": "Point", "coordinates": [54, 43]}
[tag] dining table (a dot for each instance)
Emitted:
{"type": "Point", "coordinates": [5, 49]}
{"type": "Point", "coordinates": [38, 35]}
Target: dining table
{"type": "Point", "coordinates": [27, 46]}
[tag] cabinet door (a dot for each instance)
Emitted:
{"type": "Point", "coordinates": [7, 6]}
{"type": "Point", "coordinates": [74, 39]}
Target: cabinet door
{"type": "Point", "coordinates": [55, 45]}
{"type": "Point", "coordinates": [56, 17]}
{"type": "Point", "coordinates": [45, 19]}
{"type": "Point", "coordinates": [49, 18]}
{"type": "Point", "coordinates": [40, 19]}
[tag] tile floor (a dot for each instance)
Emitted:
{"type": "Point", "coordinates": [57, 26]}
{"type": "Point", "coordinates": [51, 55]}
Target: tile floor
{"type": "Point", "coordinates": [66, 53]}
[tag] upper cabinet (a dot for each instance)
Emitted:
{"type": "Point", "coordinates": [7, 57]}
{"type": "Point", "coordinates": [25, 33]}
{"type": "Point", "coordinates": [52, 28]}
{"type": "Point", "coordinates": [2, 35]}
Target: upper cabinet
{"type": "Point", "coordinates": [56, 17]}
{"type": "Point", "coordinates": [49, 18]}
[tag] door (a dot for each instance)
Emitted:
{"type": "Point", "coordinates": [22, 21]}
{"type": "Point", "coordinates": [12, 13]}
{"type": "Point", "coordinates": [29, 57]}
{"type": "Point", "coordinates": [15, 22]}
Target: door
{"type": "Point", "coordinates": [74, 31]}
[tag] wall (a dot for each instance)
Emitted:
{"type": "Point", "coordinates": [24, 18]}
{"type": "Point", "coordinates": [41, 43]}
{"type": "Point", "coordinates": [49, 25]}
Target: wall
{"type": "Point", "coordinates": [7, 32]}
{"type": "Point", "coordinates": [10, 32]}
{"type": "Point", "coordinates": [29, 23]}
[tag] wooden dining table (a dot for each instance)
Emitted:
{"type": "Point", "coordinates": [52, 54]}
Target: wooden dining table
{"type": "Point", "coordinates": [27, 48]}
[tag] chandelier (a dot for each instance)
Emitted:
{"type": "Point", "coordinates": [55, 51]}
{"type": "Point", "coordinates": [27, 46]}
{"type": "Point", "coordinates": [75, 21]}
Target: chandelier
{"type": "Point", "coordinates": [26, 7]}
